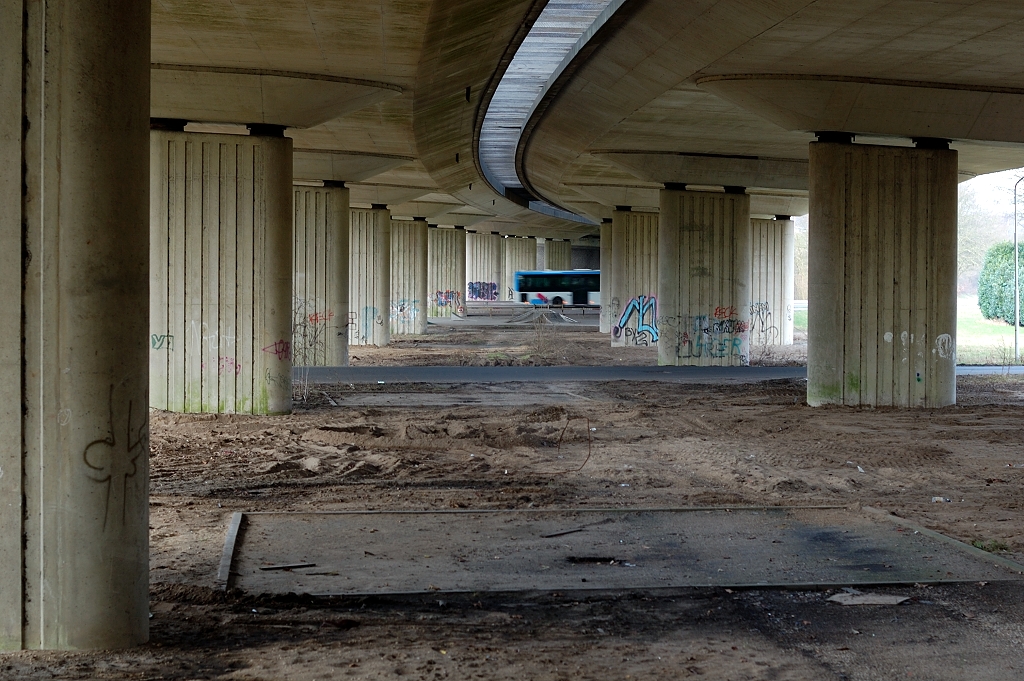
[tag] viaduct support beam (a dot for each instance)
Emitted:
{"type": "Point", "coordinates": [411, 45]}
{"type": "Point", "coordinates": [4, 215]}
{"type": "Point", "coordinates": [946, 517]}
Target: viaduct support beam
{"type": "Point", "coordinates": [772, 282]}
{"type": "Point", "coordinates": [221, 275]}
{"type": "Point", "coordinates": [408, 277]}
{"type": "Point", "coordinates": [321, 263]}
{"type": "Point", "coordinates": [633, 314]}
{"type": "Point", "coordinates": [520, 256]}
{"type": "Point", "coordinates": [446, 272]}
{"type": "Point", "coordinates": [485, 260]}
{"type": "Point", "coordinates": [704, 279]}
{"type": "Point", "coordinates": [370, 277]}
{"type": "Point", "coordinates": [606, 276]}
{"type": "Point", "coordinates": [74, 342]}
{"type": "Point", "coordinates": [882, 276]}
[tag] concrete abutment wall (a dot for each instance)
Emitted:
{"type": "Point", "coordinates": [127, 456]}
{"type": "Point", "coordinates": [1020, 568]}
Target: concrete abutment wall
{"type": "Point", "coordinates": [485, 263]}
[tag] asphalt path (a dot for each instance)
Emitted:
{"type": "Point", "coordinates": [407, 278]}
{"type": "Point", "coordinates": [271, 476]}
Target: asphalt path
{"type": "Point", "coordinates": [574, 373]}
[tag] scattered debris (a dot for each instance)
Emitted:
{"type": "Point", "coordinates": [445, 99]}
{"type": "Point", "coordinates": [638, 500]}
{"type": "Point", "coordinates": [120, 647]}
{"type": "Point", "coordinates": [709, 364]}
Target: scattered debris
{"type": "Point", "coordinates": [941, 500]}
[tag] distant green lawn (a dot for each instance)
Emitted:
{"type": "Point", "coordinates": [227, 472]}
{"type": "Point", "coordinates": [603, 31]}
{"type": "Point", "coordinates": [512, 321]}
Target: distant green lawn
{"type": "Point", "coordinates": [982, 341]}
{"type": "Point", "coordinates": [978, 340]}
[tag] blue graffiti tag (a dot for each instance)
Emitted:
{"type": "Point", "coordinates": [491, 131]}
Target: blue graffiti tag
{"type": "Point", "coordinates": [642, 305]}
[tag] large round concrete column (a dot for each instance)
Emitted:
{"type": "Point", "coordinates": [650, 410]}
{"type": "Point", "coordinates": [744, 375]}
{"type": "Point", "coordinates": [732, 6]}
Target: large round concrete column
{"type": "Point", "coordinates": [772, 281]}
{"type": "Point", "coordinates": [408, 277]}
{"type": "Point", "coordinates": [370, 276]}
{"type": "Point", "coordinates": [446, 271]}
{"type": "Point", "coordinates": [606, 276]}
{"type": "Point", "coordinates": [484, 264]}
{"type": "Point", "coordinates": [74, 254]}
{"type": "Point", "coordinates": [634, 282]}
{"type": "Point", "coordinates": [882, 241]}
{"type": "Point", "coordinates": [704, 279]}
{"type": "Point", "coordinates": [520, 256]}
{"type": "Point", "coordinates": [221, 279]}
{"type": "Point", "coordinates": [320, 271]}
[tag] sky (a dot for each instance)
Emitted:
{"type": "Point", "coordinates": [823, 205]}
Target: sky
{"type": "Point", "coordinates": [995, 191]}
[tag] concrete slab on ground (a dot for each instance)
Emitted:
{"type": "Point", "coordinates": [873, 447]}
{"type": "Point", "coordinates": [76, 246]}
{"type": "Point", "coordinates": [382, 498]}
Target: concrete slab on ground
{"type": "Point", "coordinates": [352, 553]}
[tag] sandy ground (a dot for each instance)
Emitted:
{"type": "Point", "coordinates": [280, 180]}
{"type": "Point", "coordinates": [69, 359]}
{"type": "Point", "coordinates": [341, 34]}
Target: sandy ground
{"type": "Point", "coordinates": [655, 444]}
{"type": "Point", "coordinates": [534, 345]}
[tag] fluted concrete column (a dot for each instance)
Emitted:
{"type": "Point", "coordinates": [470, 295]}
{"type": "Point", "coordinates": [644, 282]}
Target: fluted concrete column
{"type": "Point", "coordinates": [408, 277]}
{"type": "Point", "coordinates": [369, 277]}
{"type": "Point", "coordinates": [221, 278]}
{"type": "Point", "coordinates": [558, 254]}
{"type": "Point", "coordinates": [446, 271]}
{"type": "Point", "coordinates": [882, 276]}
{"type": "Point", "coordinates": [320, 270]}
{"type": "Point", "coordinates": [704, 279]}
{"type": "Point", "coordinates": [606, 276]}
{"type": "Point", "coordinates": [520, 256]}
{"type": "Point", "coordinates": [634, 282]}
{"type": "Point", "coordinates": [484, 264]}
{"type": "Point", "coordinates": [772, 281]}
{"type": "Point", "coordinates": [74, 255]}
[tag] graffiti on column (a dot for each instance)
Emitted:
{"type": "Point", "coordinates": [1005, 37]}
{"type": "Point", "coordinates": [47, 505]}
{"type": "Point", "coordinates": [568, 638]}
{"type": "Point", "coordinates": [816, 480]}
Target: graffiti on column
{"type": "Point", "coordinates": [162, 342]}
{"type": "Point", "coordinates": [763, 330]}
{"type": "Point", "coordinates": [717, 336]}
{"type": "Point", "coordinates": [482, 290]}
{"type": "Point", "coordinates": [451, 300]}
{"type": "Point", "coordinates": [404, 311]}
{"type": "Point", "coordinates": [638, 323]}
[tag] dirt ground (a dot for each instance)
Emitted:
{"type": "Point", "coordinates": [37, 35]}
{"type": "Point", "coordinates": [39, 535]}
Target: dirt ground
{"type": "Point", "coordinates": [534, 345]}
{"type": "Point", "coordinates": [655, 444]}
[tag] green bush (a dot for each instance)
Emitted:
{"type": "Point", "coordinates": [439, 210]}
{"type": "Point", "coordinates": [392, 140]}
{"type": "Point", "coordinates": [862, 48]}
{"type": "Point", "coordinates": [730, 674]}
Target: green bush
{"type": "Point", "coordinates": [995, 285]}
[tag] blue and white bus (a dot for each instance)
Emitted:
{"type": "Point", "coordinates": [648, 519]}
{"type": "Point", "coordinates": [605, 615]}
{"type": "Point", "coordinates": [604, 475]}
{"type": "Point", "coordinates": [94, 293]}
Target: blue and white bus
{"type": "Point", "coordinates": [569, 287]}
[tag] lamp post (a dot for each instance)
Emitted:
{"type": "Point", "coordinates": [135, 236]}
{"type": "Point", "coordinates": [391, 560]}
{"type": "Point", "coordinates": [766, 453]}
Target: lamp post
{"type": "Point", "coordinates": [1016, 279]}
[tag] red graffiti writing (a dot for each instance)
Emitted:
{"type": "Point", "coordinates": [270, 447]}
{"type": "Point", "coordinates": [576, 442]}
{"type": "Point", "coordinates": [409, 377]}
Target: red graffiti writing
{"type": "Point", "coordinates": [281, 348]}
{"type": "Point", "coordinates": [725, 312]}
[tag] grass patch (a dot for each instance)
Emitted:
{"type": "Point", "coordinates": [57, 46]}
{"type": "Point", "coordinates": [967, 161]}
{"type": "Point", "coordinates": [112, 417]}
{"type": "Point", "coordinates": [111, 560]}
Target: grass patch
{"type": "Point", "coordinates": [980, 340]}
{"type": "Point", "coordinates": [991, 545]}
{"type": "Point", "coordinates": [800, 321]}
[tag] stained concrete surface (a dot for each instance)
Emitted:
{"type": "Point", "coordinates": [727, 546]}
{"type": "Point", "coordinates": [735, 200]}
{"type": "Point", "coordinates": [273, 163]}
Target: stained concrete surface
{"type": "Point", "coordinates": [353, 553]}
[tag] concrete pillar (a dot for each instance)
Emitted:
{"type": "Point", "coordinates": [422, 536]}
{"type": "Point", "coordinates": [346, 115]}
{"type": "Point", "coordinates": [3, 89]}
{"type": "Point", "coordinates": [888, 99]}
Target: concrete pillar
{"type": "Point", "coordinates": [634, 282]}
{"type": "Point", "coordinates": [520, 256]}
{"type": "Point", "coordinates": [484, 264]}
{"type": "Point", "coordinates": [882, 276]}
{"type": "Point", "coordinates": [606, 276]}
{"type": "Point", "coordinates": [320, 271]}
{"type": "Point", "coordinates": [772, 264]}
{"type": "Point", "coordinates": [704, 279]}
{"type": "Point", "coordinates": [558, 253]}
{"type": "Point", "coordinates": [542, 253]}
{"type": "Point", "coordinates": [446, 271]}
{"type": "Point", "coordinates": [369, 276]}
{"type": "Point", "coordinates": [221, 277]}
{"type": "Point", "coordinates": [408, 277]}
{"type": "Point", "coordinates": [74, 254]}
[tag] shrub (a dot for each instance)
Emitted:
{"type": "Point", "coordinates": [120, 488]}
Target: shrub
{"type": "Point", "coordinates": [995, 285]}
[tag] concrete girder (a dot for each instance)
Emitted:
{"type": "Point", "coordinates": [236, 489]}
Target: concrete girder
{"type": "Point", "coordinates": [238, 95]}
{"type": "Point", "coordinates": [372, 194]}
{"type": "Point", "coordinates": [342, 166]}
{"type": "Point", "coordinates": [426, 206]}
{"type": "Point", "coordinates": [877, 106]}
{"type": "Point", "coordinates": [709, 169]}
